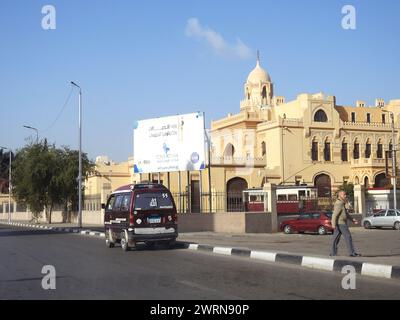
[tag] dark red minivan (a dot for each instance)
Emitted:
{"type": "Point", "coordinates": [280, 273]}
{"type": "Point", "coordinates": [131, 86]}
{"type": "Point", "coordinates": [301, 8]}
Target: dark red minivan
{"type": "Point", "coordinates": [144, 212]}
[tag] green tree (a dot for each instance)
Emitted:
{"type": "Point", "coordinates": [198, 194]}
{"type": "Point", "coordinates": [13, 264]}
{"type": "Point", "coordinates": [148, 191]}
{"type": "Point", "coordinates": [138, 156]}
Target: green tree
{"type": "Point", "coordinates": [45, 176]}
{"type": "Point", "coordinates": [4, 167]}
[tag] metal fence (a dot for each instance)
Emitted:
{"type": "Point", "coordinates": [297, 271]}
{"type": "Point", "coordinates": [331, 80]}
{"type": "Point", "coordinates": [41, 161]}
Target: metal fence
{"type": "Point", "coordinates": [220, 202]}
{"type": "Point", "coordinates": [233, 202]}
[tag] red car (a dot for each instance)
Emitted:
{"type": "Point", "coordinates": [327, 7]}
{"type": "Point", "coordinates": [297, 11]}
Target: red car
{"type": "Point", "coordinates": [319, 222]}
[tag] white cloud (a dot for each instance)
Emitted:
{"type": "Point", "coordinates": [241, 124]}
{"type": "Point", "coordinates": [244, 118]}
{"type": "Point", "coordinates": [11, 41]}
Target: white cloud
{"type": "Point", "coordinates": [216, 41]}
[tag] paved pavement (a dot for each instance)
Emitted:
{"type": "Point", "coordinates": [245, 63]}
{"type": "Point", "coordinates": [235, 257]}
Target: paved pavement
{"type": "Point", "coordinates": [86, 269]}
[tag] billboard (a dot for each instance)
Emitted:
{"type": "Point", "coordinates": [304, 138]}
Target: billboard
{"type": "Point", "coordinates": [167, 144]}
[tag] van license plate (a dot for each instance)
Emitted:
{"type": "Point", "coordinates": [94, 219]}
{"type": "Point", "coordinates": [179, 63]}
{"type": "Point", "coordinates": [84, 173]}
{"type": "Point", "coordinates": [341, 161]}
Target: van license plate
{"type": "Point", "coordinates": [154, 220]}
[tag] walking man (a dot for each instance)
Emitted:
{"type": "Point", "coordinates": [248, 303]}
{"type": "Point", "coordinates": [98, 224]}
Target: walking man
{"type": "Point", "coordinates": [339, 224]}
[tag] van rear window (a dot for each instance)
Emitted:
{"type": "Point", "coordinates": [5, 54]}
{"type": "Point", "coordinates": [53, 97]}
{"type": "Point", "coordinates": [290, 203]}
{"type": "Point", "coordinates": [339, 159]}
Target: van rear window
{"type": "Point", "coordinates": [151, 201]}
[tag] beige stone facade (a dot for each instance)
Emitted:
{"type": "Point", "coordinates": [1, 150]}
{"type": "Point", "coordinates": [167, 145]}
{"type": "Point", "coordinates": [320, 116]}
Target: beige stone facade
{"type": "Point", "coordinates": [311, 140]}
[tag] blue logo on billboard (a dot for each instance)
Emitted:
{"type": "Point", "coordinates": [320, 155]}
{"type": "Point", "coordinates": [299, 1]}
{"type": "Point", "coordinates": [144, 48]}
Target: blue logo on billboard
{"type": "Point", "coordinates": [194, 157]}
{"type": "Point", "coordinates": [165, 148]}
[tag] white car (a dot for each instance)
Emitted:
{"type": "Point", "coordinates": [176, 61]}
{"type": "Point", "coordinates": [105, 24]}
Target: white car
{"type": "Point", "coordinates": [383, 218]}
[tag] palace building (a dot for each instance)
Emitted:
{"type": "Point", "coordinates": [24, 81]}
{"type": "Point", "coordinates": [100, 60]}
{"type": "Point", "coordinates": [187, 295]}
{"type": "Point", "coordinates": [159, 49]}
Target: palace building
{"type": "Point", "coordinates": [309, 141]}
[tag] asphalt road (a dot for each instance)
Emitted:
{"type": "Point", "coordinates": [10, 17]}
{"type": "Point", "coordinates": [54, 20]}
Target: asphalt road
{"type": "Point", "coordinates": [86, 269]}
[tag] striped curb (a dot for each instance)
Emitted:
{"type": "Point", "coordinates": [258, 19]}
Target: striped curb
{"type": "Point", "coordinates": [57, 229]}
{"type": "Point", "coordinates": [324, 264]}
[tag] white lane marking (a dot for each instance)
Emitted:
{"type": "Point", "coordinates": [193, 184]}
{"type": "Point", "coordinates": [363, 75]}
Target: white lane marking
{"type": "Point", "coordinates": [318, 263]}
{"type": "Point", "coordinates": [376, 270]}
{"type": "Point", "coordinates": [222, 250]}
{"type": "Point", "coordinates": [267, 256]}
{"type": "Point", "coordinates": [193, 246]}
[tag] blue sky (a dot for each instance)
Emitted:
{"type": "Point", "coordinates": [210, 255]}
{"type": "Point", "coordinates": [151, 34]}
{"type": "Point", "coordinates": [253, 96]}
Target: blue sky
{"type": "Point", "coordinates": [136, 60]}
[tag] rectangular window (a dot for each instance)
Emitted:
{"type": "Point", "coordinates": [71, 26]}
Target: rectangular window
{"type": "Point", "coordinates": [282, 197]}
{"type": "Point", "coordinates": [153, 201]}
{"type": "Point", "coordinates": [383, 118]}
{"type": "Point", "coordinates": [368, 117]}
{"type": "Point", "coordinates": [353, 117]}
{"type": "Point", "coordinates": [344, 152]}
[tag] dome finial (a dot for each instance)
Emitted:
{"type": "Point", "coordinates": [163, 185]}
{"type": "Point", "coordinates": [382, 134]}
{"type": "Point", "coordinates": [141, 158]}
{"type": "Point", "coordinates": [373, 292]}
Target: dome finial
{"type": "Point", "coordinates": [258, 57]}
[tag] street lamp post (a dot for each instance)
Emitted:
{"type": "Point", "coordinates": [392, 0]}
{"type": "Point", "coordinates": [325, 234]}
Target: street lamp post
{"type": "Point", "coordinates": [37, 132]}
{"type": "Point", "coordinates": [80, 157]}
{"type": "Point", "coordinates": [9, 184]}
{"type": "Point", "coordinates": [394, 177]}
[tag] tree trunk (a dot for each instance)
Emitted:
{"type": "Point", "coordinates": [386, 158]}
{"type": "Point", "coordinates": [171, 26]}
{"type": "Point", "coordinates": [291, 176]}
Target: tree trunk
{"type": "Point", "coordinates": [51, 210]}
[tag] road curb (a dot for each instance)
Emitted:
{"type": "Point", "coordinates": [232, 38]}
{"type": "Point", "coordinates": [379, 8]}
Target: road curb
{"type": "Point", "coordinates": [318, 263]}
{"type": "Point", "coordinates": [57, 229]}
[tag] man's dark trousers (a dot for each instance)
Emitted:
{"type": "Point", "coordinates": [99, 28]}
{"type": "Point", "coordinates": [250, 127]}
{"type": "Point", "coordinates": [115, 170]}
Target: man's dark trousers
{"type": "Point", "coordinates": [342, 229]}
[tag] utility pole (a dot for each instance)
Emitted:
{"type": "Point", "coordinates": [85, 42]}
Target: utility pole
{"type": "Point", "coordinates": [394, 164]}
{"type": "Point", "coordinates": [9, 183]}
{"type": "Point", "coordinates": [37, 132]}
{"type": "Point", "coordinates": [80, 157]}
{"type": "Point", "coordinates": [394, 171]}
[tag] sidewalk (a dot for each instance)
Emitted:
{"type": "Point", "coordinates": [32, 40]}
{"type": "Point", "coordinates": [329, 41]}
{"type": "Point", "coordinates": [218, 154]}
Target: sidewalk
{"type": "Point", "coordinates": [376, 246]}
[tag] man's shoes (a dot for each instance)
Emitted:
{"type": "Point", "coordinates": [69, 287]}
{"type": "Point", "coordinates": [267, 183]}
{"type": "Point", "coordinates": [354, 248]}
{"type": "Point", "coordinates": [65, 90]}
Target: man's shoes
{"type": "Point", "coordinates": [355, 255]}
{"type": "Point", "coordinates": [332, 255]}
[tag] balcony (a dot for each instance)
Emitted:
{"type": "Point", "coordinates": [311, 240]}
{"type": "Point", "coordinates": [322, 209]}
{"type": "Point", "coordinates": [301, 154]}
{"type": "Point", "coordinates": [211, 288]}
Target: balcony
{"type": "Point", "coordinates": [238, 162]}
{"type": "Point", "coordinates": [367, 125]}
{"type": "Point", "coordinates": [362, 162]}
{"type": "Point", "coordinates": [233, 119]}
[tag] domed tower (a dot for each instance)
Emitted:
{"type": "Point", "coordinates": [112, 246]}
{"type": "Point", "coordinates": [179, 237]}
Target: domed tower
{"type": "Point", "coordinates": [258, 88]}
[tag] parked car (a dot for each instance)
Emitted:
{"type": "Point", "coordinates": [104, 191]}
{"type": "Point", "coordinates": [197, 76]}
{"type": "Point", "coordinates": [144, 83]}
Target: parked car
{"type": "Point", "coordinates": [383, 218]}
{"type": "Point", "coordinates": [319, 222]}
{"type": "Point", "coordinates": [143, 212]}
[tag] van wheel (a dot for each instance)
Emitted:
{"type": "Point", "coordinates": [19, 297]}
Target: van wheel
{"type": "Point", "coordinates": [124, 242]}
{"type": "Point", "coordinates": [109, 244]}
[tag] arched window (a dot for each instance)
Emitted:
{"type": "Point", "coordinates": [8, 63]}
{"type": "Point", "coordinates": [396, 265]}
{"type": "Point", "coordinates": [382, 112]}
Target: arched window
{"type": "Point", "coordinates": [356, 150]}
{"type": "Point", "coordinates": [314, 150]}
{"type": "Point", "coordinates": [367, 149]}
{"type": "Point", "coordinates": [366, 182]}
{"type": "Point", "coordinates": [344, 153]}
{"type": "Point", "coordinates": [320, 116]}
{"type": "Point", "coordinates": [264, 92]}
{"type": "Point", "coordinates": [263, 149]}
{"type": "Point", "coordinates": [323, 184]}
{"type": "Point", "coordinates": [381, 181]}
{"type": "Point", "coordinates": [379, 149]}
{"type": "Point", "coordinates": [229, 150]}
{"type": "Point", "coordinates": [327, 150]}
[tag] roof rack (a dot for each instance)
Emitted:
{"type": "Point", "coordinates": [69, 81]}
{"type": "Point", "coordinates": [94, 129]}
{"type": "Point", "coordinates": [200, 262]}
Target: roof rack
{"type": "Point", "coordinates": [148, 186]}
